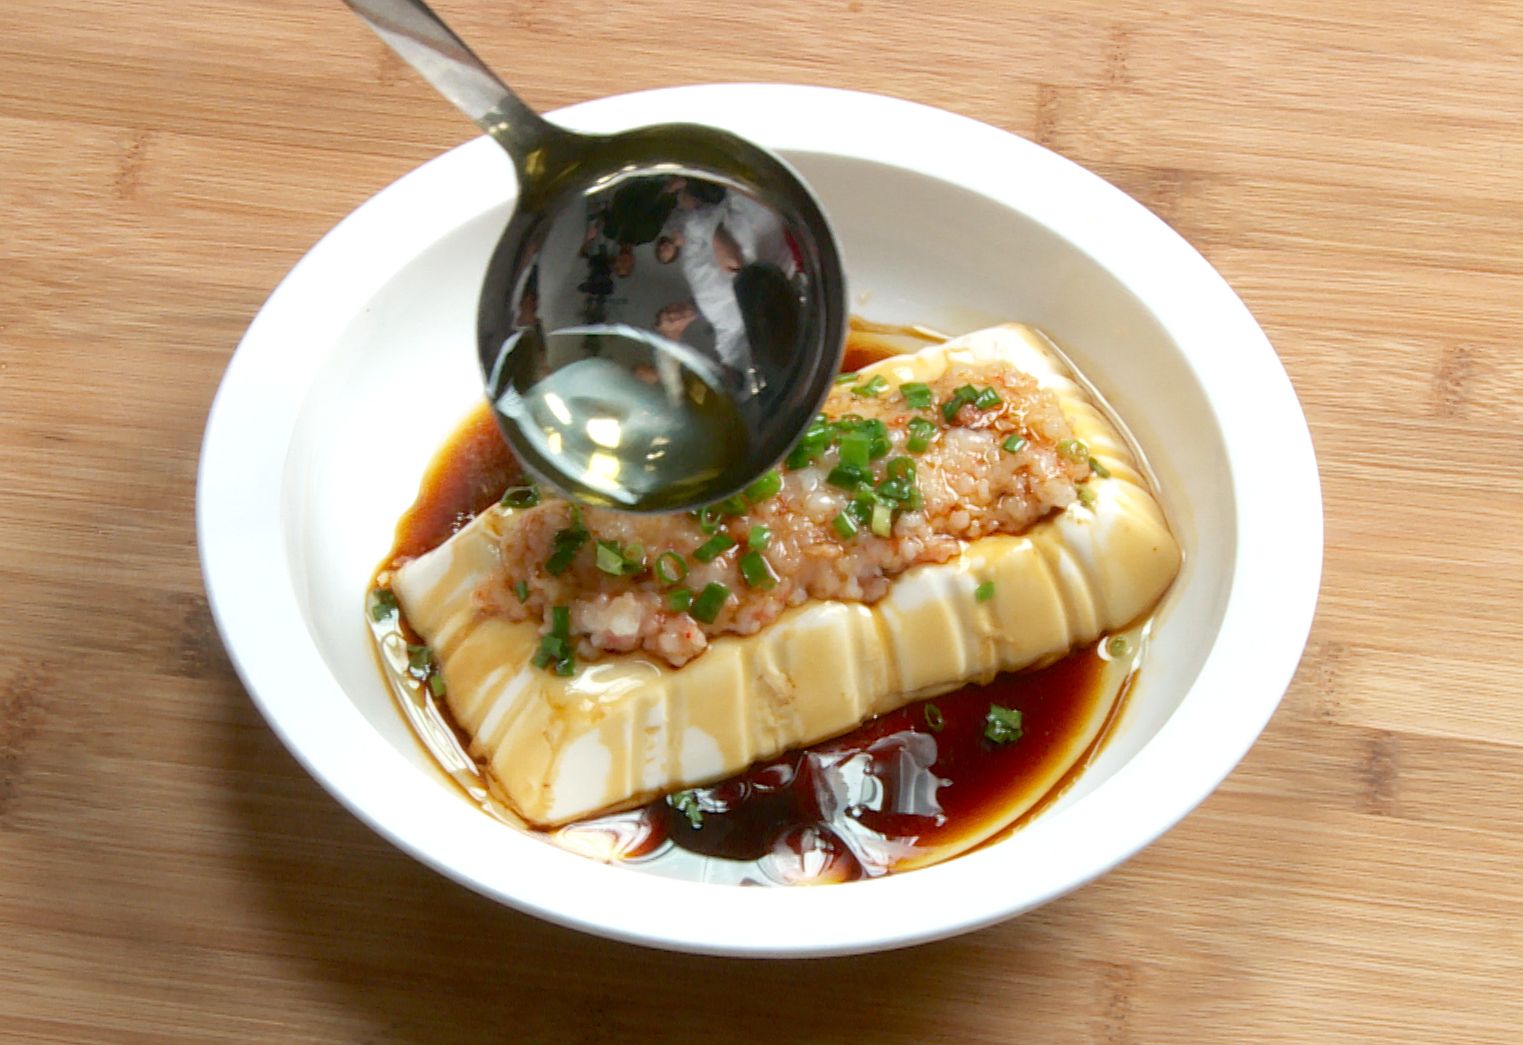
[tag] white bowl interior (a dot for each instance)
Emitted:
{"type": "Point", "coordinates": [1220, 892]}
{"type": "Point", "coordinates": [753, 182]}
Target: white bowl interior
{"type": "Point", "coordinates": [363, 361]}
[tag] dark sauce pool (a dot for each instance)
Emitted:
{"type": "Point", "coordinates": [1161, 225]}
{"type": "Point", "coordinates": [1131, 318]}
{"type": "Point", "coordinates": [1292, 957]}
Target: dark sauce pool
{"type": "Point", "coordinates": [910, 788]}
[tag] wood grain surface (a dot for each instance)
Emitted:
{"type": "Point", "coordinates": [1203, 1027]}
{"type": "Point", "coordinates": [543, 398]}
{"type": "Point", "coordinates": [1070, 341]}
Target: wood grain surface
{"type": "Point", "coordinates": [168, 874]}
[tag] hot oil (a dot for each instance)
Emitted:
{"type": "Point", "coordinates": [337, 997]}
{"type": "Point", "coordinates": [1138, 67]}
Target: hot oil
{"type": "Point", "coordinates": [627, 417]}
{"type": "Point", "coordinates": [915, 786]}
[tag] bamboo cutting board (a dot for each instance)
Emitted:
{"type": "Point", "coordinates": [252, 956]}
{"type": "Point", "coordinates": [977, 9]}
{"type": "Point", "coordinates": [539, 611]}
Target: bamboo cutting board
{"type": "Point", "coordinates": [169, 874]}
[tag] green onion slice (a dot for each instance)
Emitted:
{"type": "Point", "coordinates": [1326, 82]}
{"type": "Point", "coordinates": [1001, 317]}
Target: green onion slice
{"type": "Point", "coordinates": [671, 568]}
{"type": "Point", "coordinates": [934, 718]}
{"type": "Point", "coordinates": [521, 589]}
{"type": "Point", "coordinates": [419, 658]}
{"type": "Point", "coordinates": [714, 547]}
{"type": "Point", "coordinates": [1003, 725]}
{"type": "Point", "coordinates": [567, 543]}
{"type": "Point", "coordinates": [984, 592]}
{"type": "Point", "coordinates": [882, 522]}
{"type": "Point", "coordinates": [871, 388]}
{"type": "Point", "coordinates": [845, 526]}
{"type": "Point", "coordinates": [384, 606]}
{"type": "Point", "coordinates": [610, 558]}
{"type": "Point", "coordinates": [1014, 443]}
{"type": "Point", "coordinates": [917, 394]}
{"type": "Point", "coordinates": [686, 803]}
{"type": "Point", "coordinates": [921, 432]}
{"type": "Point", "coordinates": [520, 496]}
{"type": "Point", "coordinates": [758, 537]}
{"type": "Point", "coordinates": [987, 398]}
{"type": "Point", "coordinates": [848, 476]}
{"type": "Point", "coordinates": [765, 487]}
{"type": "Point", "coordinates": [1073, 450]}
{"type": "Point", "coordinates": [679, 600]}
{"type": "Point", "coordinates": [1099, 469]}
{"type": "Point", "coordinates": [856, 448]}
{"type": "Point", "coordinates": [757, 571]}
{"type": "Point", "coordinates": [709, 602]}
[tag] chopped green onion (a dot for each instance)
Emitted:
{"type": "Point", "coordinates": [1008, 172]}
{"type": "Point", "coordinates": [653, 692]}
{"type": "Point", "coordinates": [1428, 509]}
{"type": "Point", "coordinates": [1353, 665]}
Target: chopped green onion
{"type": "Point", "coordinates": [610, 558]}
{"type": "Point", "coordinates": [1014, 443]}
{"type": "Point", "coordinates": [686, 803]}
{"type": "Point", "coordinates": [384, 606]}
{"type": "Point", "coordinates": [715, 546]}
{"type": "Point", "coordinates": [1073, 450]}
{"type": "Point", "coordinates": [882, 523]}
{"type": "Point", "coordinates": [984, 592]}
{"type": "Point", "coordinates": [419, 658]}
{"type": "Point", "coordinates": [759, 537]}
{"type": "Point", "coordinates": [709, 602]}
{"type": "Point", "coordinates": [671, 568]}
{"type": "Point", "coordinates": [897, 490]}
{"type": "Point", "coordinates": [620, 562]}
{"type": "Point", "coordinates": [921, 431]}
{"type": "Point", "coordinates": [679, 600]}
{"type": "Point", "coordinates": [732, 506]}
{"type": "Point", "coordinates": [1119, 647]}
{"type": "Point", "coordinates": [1086, 495]}
{"type": "Point", "coordinates": [848, 476]}
{"type": "Point", "coordinates": [767, 486]}
{"type": "Point", "coordinates": [917, 394]}
{"type": "Point", "coordinates": [871, 389]}
{"type": "Point", "coordinates": [567, 543]}
{"type": "Point", "coordinates": [757, 571]}
{"type": "Point", "coordinates": [846, 379]}
{"type": "Point", "coordinates": [845, 526]}
{"type": "Point", "coordinates": [520, 497]}
{"type": "Point", "coordinates": [1003, 725]}
{"type": "Point", "coordinates": [436, 684]}
{"type": "Point", "coordinates": [555, 648]}
{"type": "Point", "coordinates": [708, 518]}
{"type": "Point", "coordinates": [560, 621]}
{"type": "Point", "coordinates": [987, 398]}
{"type": "Point", "coordinates": [861, 507]}
{"type": "Point", "coordinates": [521, 589]}
{"type": "Point", "coordinates": [811, 444]}
{"type": "Point", "coordinates": [914, 502]}
{"type": "Point", "coordinates": [934, 718]}
{"type": "Point", "coordinates": [562, 556]}
{"type": "Point", "coordinates": [960, 397]}
{"type": "Point", "coordinates": [856, 448]}
{"type": "Point", "coordinates": [901, 468]}
{"type": "Point", "coordinates": [878, 432]}
{"type": "Point", "coordinates": [1099, 469]}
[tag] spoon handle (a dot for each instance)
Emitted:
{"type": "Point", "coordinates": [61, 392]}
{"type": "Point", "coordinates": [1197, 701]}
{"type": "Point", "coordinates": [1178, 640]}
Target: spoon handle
{"type": "Point", "coordinates": [442, 58]}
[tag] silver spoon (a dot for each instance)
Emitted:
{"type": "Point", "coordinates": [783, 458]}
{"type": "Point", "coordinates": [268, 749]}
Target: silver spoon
{"type": "Point", "coordinates": [665, 311]}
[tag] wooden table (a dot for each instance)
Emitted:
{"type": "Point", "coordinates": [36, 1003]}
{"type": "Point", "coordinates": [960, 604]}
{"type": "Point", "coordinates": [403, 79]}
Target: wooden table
{"type": "Point", "coordinates": [169, 874]}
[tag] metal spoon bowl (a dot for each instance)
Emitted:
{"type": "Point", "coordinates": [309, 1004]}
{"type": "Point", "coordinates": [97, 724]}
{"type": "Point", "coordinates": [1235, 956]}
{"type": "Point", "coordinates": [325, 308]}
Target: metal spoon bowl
{"type": "Point", "coordinates": [666, 309]}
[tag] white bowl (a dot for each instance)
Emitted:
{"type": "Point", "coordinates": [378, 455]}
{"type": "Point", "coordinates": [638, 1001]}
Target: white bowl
{"type": "Point", "coordinates": [363, 360]}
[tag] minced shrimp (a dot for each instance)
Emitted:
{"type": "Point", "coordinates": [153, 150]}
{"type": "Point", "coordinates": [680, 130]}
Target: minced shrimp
{"type": "Point", "coordinates": [990, 453]}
